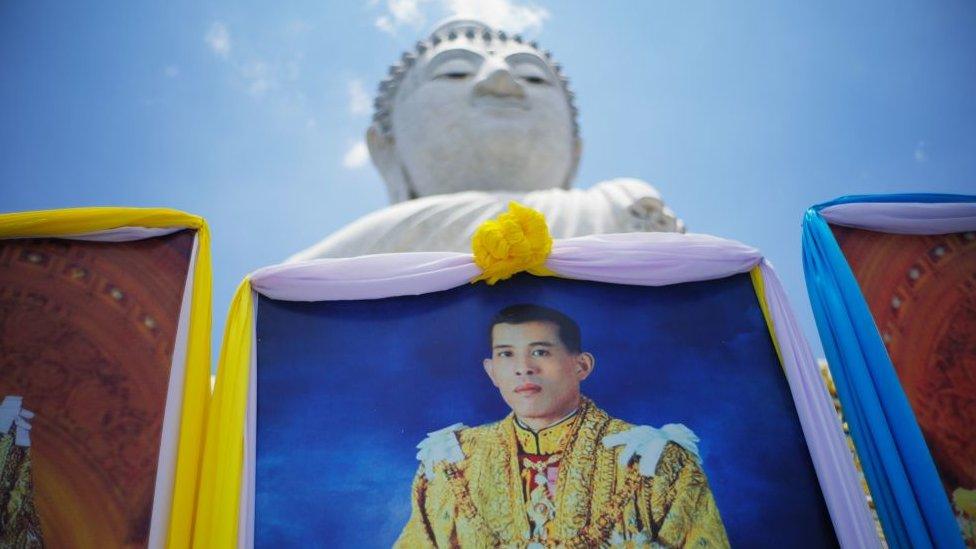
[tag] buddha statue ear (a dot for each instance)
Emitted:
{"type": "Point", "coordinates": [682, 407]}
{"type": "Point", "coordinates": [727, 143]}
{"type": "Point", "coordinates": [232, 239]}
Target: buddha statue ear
{"type": "Point", "coordinates": [382, 150]}
{"type": "Point", "coordinates": [574, 162]}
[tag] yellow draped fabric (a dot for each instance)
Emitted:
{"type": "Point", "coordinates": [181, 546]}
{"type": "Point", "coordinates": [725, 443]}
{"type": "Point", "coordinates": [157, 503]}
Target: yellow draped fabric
{"type": "Point", "coordinates": [220, 484]}
{"type": "Point", "coordinates": [479, 502]}
{"type": "Point", "coordinates": [757, 283]}
{"type": "Point", "coordinates": [196, 385]}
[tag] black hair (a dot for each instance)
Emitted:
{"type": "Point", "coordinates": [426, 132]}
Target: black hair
{"type": "Point", "coordinates": [567, 328]}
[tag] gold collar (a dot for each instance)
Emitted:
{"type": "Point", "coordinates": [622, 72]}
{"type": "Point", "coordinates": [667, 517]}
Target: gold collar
{"type": "Point", "coordinates": [545, 441]}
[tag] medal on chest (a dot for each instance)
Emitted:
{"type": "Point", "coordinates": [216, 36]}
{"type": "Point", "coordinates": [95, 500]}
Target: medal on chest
{"type": "Point", "coordinates": [539, 474]}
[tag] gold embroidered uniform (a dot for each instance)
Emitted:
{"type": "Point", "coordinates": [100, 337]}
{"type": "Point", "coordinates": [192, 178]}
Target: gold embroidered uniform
{"type": "Point", "coordinates": [492, 497]}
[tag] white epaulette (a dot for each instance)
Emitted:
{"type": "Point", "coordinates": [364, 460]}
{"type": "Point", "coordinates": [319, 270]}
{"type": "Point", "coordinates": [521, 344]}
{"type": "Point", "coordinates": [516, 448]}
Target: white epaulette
{"type": "Point", "coordinates": [647, 443]}
{"type": "Point", "coordinates": [13, 413]}
{"type": "Point", "coordinates": [441, 445]}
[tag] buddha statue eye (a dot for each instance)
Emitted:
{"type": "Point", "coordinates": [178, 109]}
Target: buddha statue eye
{"type": "Point", "coordinates": [530, 73]}
{"type": "Point", "coordinates": [454, 75]}
{"type": "Point", "coordinates": [459, 68]}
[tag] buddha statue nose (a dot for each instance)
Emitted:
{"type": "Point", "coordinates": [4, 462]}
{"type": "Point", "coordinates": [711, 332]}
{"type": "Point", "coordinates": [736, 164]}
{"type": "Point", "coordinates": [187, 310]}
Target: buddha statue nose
{"type": "Point", "coordinates": [500, 83]}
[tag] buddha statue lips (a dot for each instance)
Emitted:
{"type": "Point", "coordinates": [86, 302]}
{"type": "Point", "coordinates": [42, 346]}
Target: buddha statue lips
{"type": "Point", "coordinates": [469, 120]}
{"type": "Point", "coordinates": [496, 105]}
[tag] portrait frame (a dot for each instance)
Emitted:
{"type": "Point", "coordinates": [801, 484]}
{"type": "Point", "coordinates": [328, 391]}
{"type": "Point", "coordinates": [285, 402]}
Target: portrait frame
{"type": "Point", "coordinates": [188, 387]}
{"type": "Point", "coordinates": [898, 465]}
{"type": "Point", "coordinates": [226, 507]}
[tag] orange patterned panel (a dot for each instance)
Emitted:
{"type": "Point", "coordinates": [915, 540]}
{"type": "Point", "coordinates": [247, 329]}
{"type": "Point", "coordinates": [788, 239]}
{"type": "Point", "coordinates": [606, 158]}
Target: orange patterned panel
{"type": "Point", "coordinates": [922, 293]}
{"type": "Point", "coordinates": [86, 337]}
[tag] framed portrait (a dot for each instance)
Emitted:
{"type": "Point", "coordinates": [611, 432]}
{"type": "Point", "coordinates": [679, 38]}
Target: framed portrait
{"type": "Point", "coordinates": [104, 367]}
{"type": "Point", "coordinates": [655, 391]}
{"type": "Point", "coordinates": [892, 280]}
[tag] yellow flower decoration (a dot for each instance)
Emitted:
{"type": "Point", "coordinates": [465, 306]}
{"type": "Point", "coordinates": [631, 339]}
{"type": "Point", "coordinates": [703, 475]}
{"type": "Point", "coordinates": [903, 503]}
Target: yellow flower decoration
{"type": "Point", "coordinates": [517, 240]}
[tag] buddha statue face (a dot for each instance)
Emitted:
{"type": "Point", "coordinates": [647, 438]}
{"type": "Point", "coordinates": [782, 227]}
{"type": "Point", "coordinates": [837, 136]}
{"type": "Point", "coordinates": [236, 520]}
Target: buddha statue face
{"type": "Point", "coordinates": [474, 109]}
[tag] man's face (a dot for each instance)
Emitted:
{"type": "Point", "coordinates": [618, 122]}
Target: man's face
{"type": "Point", "coordinates": [536, 374]}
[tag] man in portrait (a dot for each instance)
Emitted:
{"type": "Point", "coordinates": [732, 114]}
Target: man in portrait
{"type": "Point", "coordinates": [558, 470]}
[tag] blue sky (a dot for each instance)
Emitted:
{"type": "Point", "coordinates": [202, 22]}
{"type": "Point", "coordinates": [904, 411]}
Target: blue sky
{"type": "Point", "coordinates": [252, 114]}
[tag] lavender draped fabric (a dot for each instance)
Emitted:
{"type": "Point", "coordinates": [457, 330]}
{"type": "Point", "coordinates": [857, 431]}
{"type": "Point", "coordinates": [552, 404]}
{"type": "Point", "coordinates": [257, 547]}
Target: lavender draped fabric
{"type": "Point", "coordinates": [122, 234]}
{"type": "Point", "coordinates": [647, 259]}
{"type": "Point", "coordinates": [650, 259]}
{"type": "Point", "coordinates": [644, 259]}
{"type": "Point", "coordinates": [904, 217]}
{"type": "Point", "coordinates": [365, 277]}
{"type": "Point", "coordinates": [839, 479]}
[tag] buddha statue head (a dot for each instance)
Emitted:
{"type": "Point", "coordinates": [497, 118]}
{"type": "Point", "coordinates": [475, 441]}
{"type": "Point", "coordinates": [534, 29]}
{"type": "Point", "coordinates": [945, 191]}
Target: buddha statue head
{"type": "Point", "coordinates": [474, 109]}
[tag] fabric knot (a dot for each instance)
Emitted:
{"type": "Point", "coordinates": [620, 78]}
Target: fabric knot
{"type": "Point", "coordinates": [517, 240]}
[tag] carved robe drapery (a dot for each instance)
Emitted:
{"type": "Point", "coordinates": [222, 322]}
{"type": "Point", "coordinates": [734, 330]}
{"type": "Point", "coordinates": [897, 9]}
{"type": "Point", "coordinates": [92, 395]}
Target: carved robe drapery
{"type": "Point", "coordinates": [446, 222]}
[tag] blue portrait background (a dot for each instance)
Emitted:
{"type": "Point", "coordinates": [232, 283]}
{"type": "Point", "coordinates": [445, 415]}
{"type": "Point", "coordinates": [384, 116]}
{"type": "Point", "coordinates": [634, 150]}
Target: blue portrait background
{"type": "Point", "coordinates": [346, 389]}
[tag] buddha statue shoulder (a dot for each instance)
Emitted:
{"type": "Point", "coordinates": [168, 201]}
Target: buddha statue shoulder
{"type": "Point", "coordinates": [470, 120]}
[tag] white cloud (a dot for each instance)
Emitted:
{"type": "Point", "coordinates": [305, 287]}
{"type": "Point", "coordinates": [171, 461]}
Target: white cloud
{"type": "Point", "coordinates": [360, 102]}
{"type": "Point", "coordinates": [401, 12]}
{"type": "Point", "coordinates": [259, 77]}
{"type": "Point", "coordinates": [171, 71]}
{"type": "Point", "coordinates": [509, 15]}
{"type": "Point", "coordinates": [356, 157]}
{"type": "Point", "coordinates": [502, 14]}
{"type": "Point", "coordinates": [385, 24]}
{"type": "Point", "coordinates": [920, 154]}
{"type": "Point", "coordinates": [218, 38]}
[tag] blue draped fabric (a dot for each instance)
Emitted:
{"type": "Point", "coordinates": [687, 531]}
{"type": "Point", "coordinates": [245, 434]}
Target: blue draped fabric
{"type": "Point", "coordinates": [904, 481]}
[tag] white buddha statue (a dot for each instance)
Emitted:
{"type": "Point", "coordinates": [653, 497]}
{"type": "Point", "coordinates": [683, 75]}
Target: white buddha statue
{"type": "Point", "coordinates": [472, 119]}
